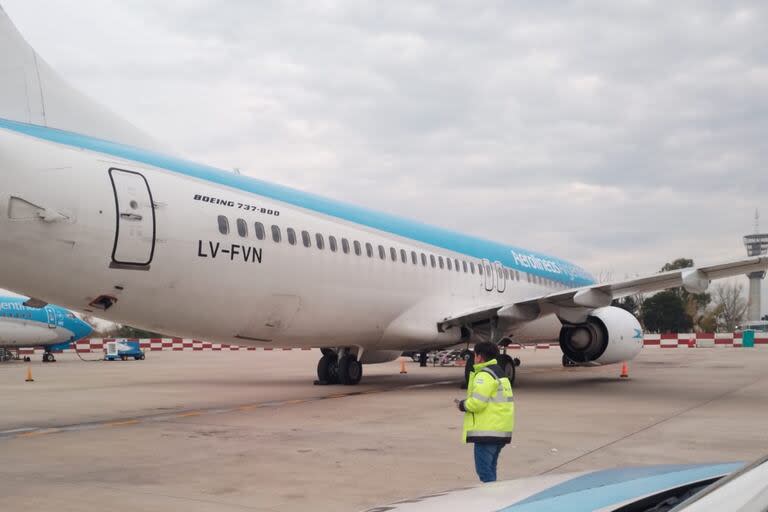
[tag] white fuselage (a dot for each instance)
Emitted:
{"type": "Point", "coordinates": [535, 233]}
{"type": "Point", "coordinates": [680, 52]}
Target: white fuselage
{"type": "Point", "coordinates": [58, 219]}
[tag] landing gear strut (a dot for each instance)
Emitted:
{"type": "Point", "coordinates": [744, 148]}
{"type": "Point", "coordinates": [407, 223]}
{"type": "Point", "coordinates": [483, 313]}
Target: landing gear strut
{"type": "Point", "coordinates": [48, 357]}
{"type": "Point", "coordinates": [332, 369]}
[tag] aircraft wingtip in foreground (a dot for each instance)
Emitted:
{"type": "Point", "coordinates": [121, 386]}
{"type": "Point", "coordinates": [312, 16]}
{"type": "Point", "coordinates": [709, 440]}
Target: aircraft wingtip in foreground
{"type": "Point", "coordinates": [94, 217]}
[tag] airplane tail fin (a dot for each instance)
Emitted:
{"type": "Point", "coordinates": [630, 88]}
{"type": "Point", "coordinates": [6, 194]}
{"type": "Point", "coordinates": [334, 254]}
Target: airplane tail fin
{"type": "Point", "coordinates": [32, 92]}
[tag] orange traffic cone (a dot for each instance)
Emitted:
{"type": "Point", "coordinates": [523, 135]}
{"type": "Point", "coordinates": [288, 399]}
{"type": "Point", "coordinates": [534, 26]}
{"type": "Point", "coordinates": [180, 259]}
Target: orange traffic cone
{"type": "Point", "coordinates": [29, 375]}
{"type": "Point", "coordinates": [624, 371]}
{"type": "Point", "coordinates": [402, 366]}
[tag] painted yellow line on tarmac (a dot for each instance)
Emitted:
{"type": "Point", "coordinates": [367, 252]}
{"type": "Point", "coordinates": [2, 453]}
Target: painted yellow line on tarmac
{"type": "Point", "coordinates": [122, 423]}
{"type": "Point", "coordinates": [36, 433]}
{"type": "Point", "coordinates": [189, 413]}
{"type": "Point", "coordinates": [31, 432]}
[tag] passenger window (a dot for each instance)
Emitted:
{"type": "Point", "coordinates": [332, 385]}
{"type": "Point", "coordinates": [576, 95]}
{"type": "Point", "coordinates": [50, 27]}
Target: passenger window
{"type": "Point", "coordinates": [423, 259]}
{"type": "Point", "coordinates": [358, 249]}
{"type": "Point", "coordinates": [456, 264]}
{"type": "Point", "coordinates": [306, 239]}
{"type": "Point", "coordinates": [291, 236]}
{"type": "Point", "coordinates": [464, 265]}
{"type": "Point", "coordinates": [472, 266]}
{"type": "Point", "coordinates": [369, 250]}
{"type": "Point", "coordinates": [242, 228]}
{"type": "Point", "coordinates": [382, 252]}
{"type": "Point", "coordinates": [414, 258]}
{"type": "Point", "coordinates": [517, 275]}
{"type": "Point", "coordinates": [448, 263]}
{"type": "Point", "coordinates": [258, 229]}
{"type": "Point", "coordinates": [345, 245]}
{"type": "Point", "coordinates": [320, 242]}
{"type": "Point", "coordinates": [432, 260]}
{"type": "Point", "coordinates": [403, 256]}
{"type": "Point", "coordinates": [223, 225]}
{"type": "Point", "coordinates": [393, 253]}
{"type": "Point", "coordinates": [506, 273]}
{"type": "Point", "coordinates": [480, 268]}
{"type": "Point", "coordinates": [440, 261]}
{"type": "Point", "coordinates": [332, 243]}
{"type": "Point", "coordinates": [276, 233]}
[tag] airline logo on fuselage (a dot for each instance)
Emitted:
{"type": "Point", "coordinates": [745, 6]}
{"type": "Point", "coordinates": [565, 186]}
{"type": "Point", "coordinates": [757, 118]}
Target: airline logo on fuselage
{"type": "Point", "coordinates": [531, 261]}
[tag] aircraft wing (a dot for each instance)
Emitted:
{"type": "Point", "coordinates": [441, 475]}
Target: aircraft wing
{"type": "Point", "coordinates": [574, 305]}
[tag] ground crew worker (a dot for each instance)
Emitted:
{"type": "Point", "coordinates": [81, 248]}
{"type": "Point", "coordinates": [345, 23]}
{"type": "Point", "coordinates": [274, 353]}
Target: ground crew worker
{"type": "Point", "coordinates": [489, 410]}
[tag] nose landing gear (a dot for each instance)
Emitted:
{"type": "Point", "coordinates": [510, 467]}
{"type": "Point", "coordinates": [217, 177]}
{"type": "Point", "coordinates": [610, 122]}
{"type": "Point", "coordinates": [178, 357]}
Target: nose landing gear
{"type": "Point", "coordinates": [332, 369]}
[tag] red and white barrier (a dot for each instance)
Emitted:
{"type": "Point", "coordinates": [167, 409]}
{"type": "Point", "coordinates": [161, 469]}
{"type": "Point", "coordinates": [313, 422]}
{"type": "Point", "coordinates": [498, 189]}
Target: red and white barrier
{"type": "Point", "coordinates": [91, 345]}
{"type": "Point", "coordinates": [673, 340]}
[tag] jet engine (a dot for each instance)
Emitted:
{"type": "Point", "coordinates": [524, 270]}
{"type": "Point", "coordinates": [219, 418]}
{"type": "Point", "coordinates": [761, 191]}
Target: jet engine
{"type": "Point", "coordinates": [610, 335]}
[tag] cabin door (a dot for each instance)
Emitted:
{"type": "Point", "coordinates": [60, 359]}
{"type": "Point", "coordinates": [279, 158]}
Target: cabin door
{"type": "Point", "coordinates": [135, 225]}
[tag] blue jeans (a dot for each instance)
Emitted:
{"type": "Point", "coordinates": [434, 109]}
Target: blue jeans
{"type": "Point", "coordinates": [486, 458]}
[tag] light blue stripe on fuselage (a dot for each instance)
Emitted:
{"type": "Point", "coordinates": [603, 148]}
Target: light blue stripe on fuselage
{"type": "Point", "coordinates": [513, 257]}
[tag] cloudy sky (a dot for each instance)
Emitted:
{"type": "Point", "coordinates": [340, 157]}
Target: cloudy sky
{"type": "Point", "coordinates": [617, 135]}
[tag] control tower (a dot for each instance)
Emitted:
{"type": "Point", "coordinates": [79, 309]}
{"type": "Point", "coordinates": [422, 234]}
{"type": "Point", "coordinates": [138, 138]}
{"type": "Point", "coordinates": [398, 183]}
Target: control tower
{"type": "Point", "coordinates": [756, 244]}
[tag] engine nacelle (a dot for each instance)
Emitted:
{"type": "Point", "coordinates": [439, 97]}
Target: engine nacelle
{"type": "Point", "coordinates": [610, 335]}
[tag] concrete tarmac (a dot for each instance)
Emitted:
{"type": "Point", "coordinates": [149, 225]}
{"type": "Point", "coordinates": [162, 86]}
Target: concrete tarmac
{"type": "Point", "coordinates": [231, 431]}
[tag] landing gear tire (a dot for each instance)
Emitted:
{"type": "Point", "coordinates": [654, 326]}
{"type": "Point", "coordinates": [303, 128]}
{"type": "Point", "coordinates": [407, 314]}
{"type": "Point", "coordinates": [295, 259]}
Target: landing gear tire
{"type": "Point", "coordinates": [48, 358]}
{"type": "Point", "coordinates": [328, 369]}
{"type": "Point", "coordinates": [350, 370]}
{"type": "Point", "coordinates": [509, 367]}
{"type": "Point", "coordinates": [469, 358]}
{"type": "Point", "coordinates": [567, 362]}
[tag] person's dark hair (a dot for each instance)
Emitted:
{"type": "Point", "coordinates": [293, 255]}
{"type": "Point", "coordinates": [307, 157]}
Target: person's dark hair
{"type": "Point", "coordinates": [487, 350]}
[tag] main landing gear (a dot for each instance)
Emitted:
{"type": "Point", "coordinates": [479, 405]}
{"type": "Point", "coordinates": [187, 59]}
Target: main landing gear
{"type": "Point", "coordinates": [340, 367]}
{"type": "Point", "coordinates": [48, 357]}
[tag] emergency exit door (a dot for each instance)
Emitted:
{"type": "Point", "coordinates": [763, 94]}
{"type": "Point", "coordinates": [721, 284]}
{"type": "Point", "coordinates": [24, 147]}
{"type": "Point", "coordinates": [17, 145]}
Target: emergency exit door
{"type": "Point", "coordinates": [135, 228]}
{"type": "Point", "coordinates": [488, 274]}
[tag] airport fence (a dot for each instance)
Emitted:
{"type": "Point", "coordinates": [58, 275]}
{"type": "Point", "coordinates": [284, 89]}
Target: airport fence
{"type": "Point", "coordinates": [672, 340]}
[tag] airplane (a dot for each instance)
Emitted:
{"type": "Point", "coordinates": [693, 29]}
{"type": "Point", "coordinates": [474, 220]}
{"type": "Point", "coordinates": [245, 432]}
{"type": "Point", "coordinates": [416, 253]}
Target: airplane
{"type": "Point", "coordinates": [94, 215]}
{"type": "Point", "coordinates": [51, 327]}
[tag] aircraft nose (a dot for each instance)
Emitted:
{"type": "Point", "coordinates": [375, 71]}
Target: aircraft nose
{"type": "Point", "coordinates": [82, 329]}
